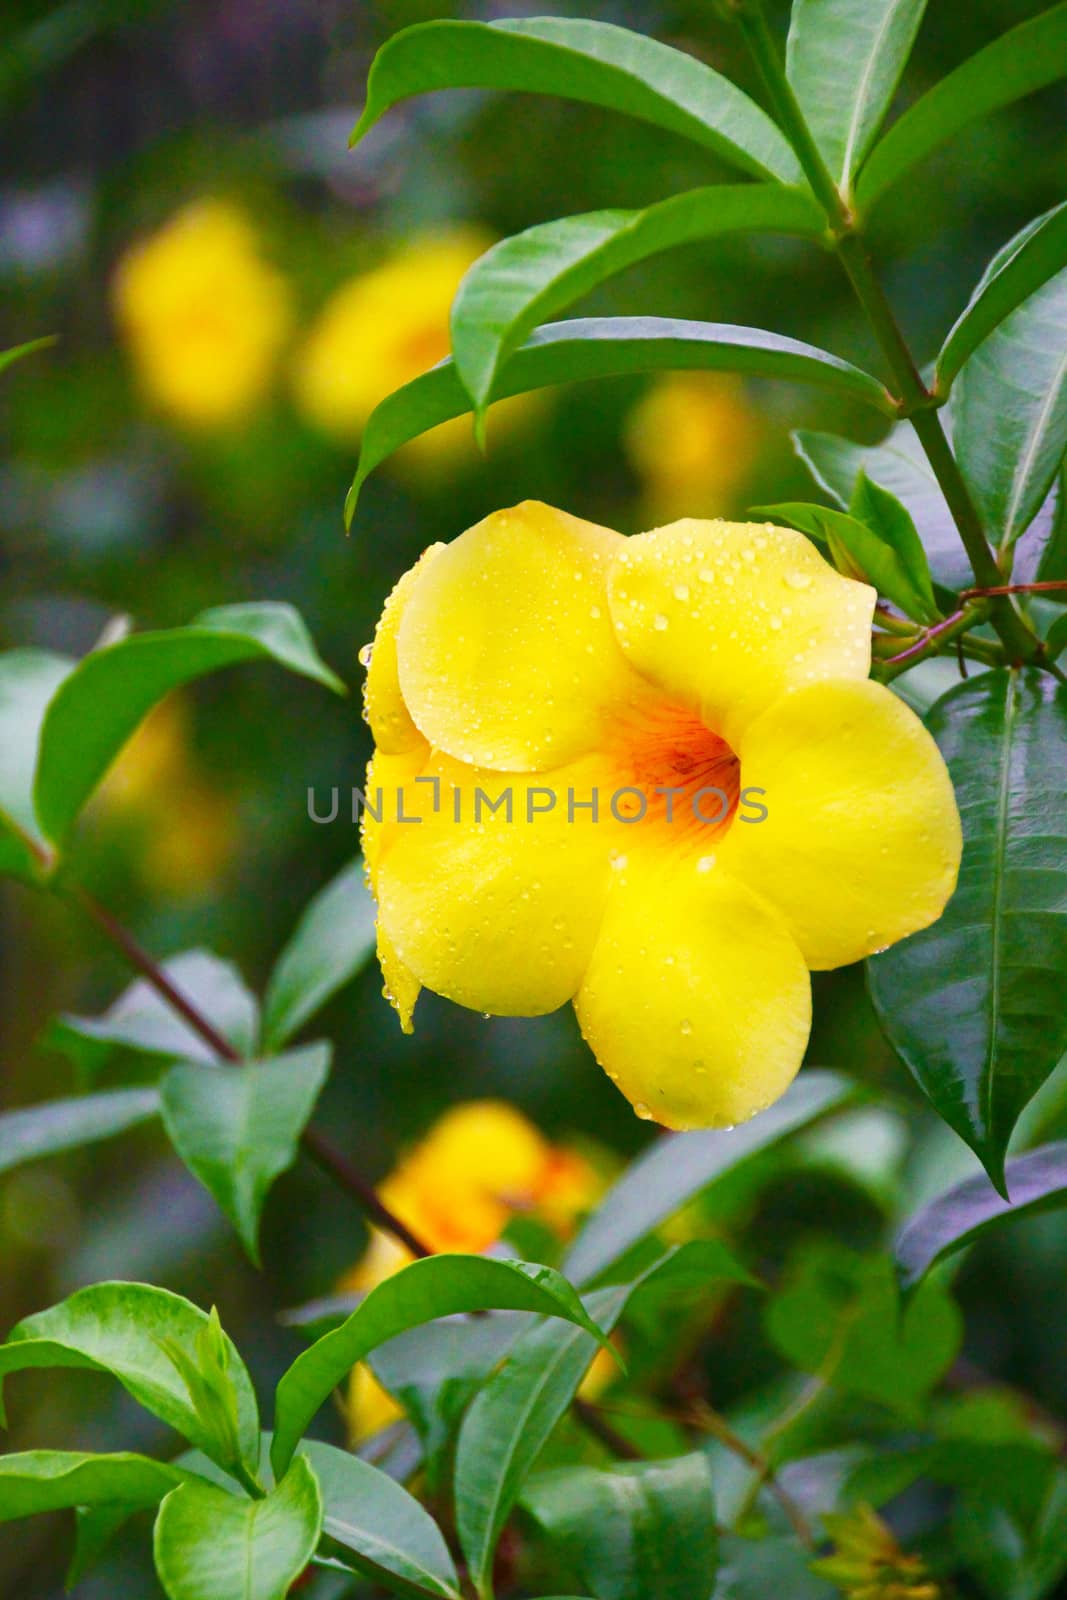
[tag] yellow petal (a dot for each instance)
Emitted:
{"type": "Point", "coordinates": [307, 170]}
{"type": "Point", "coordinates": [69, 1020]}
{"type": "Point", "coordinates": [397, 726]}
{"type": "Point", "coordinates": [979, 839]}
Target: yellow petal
{"type": "Point", "coordinates": [507, 654]}
{"type": "Point", "coordinates": [386, 777]}
{"type": "Point", "coordinates": [389, 718]}
{"type": "Point", "coordinates": [498, 915]}
{"type": "Point", "coordinates": [697, 1001]}
{"type": "Point", "coordinates": [726, 616]}
{"type": "Point", "coordinates": [861, 842]}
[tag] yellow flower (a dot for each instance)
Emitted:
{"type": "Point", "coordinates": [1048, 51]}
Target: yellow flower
{"type": "Point", "coordinates": [867, 1563]}
{"type": "Point", "coordinates": [693, 440]}
{"type": "Point", "coordinates": [762, 807]}
{"type": "Point", "coordinates": [456, 1190]}
{"type": "Point", "coordinates": [382, 329]}
{"type": "Point", "coordinates": [203, 314]}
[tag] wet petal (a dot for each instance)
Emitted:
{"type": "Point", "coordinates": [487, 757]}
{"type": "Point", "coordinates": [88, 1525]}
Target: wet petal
{"type": "Point", "coordinates": [726, 616]}
{"type": "Point", "coordinates": [696, 1001]}
{"type": "Point", "coordinates": [861, 842]}
{"type": "Point", "coordinates": [389, 718]}
{"type": "Point", "coordinates": [507, 654]}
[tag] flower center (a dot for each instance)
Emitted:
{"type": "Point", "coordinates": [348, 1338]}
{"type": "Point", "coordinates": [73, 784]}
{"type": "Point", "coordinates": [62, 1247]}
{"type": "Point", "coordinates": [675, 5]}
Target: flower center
{"type": "Point", "coordinates": [685, 779]}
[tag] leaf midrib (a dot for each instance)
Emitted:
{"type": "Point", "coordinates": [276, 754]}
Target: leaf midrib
{"type": "Point", "coordinates": [860, 100]}
{"type": "Point", "coordinates": [1025, 462]}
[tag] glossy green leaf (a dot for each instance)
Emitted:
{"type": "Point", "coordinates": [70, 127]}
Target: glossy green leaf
{"type": "Point", "coordinates": [1018, 63]}
{"type": "Point", "coordinates": [840, 1316]}
{"type": "Point", "coordinates": [211, 1545]}
{"type": "Point", "coordinates": [1036, 1181]}
{"type": "Point", "coordinates": [520, 1404]}
{"type": "Point", "coordinates": [606, 347]}
{"type": "Point", "coordinates": [863, 549]}
{"type": "Point", "coordinates": [1035, 254]}
{"type": "Point", "coordinates": [1009, 408]}
{"type": "Point", "coordinates": [677, 1168]}
{"type": "Point", "coordinates": [18, 352]}
{"type": "Point", "coordinates": [238, 1128]}
{"type": "Point", "coordinates": [45, 1130]}
{"type": "Point", "coordinates": [142, 1021]}
{"type": "Point", "coordinates": [55, 1480]}
{"type": "Point", "coordinates": [102, 702]}
{"type": "Point", "coordinates": [440, 1286]}
{"type": "Point", "coordinates": [1052, 562]}
{"type": "Point", "coordinates": [641, 1530]}
{"type": "Point", "coordinates": [525, 280]}
{"type": "Point", "coordinates": [899, 465]}
{"type": "Point", "coordinates": [333, 942]}
{"type": "Point", "coordinates": [118, 1328]}
{"type": "Point", "coordinates": [886, 516]}
{"type": "Point", "coordinates": [596, 62]}
{"type": "Point", "coordinates": [28, 680]}
{"type": "Point", "coordinates": [844, 59]}
{"type": "Point", "coordinates": [974, 1004]}
{"type": "Point", "coordinates": [394, 1540]}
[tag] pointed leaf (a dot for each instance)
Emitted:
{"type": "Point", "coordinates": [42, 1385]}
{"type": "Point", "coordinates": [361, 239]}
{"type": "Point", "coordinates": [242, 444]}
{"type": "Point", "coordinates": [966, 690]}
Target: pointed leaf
{"type": "Point", "coordinates": [1035, 254]}
{"type": "Point", "coordinates": [103, 701]}
{"type": "Point", "coordinates": [333, 942]}
{"type": "Point", "coordinates": [596, 62]}
{"type": "Point", "coordinates": [437, 1287]}
{"type": "Point", "coordinates": [1009, 408]}
{"type": "Point", "coordinates": [1018, 63]}
{"type": "Point", "coordinates": [884, 514]}
{"type": "Point", "coordinates": [974, 1004]}
{"type": "Point", "coordinates": [606, 347]}
{"type": "Point", "coordinates": [28, 680]}
{"type": "Point", "coordinates": [54, 1480]}
{"type": "Point", "coordinates": [525, 280]}
{"type": "Point", "coordinates": [57, 1125]}
{"type": "Point", "coordinates": [118, 1328]}
{"type": "Point", "coordinates": [211, 1545]}
{"type": "Point", "coordinates": [237, 1128]}
{"type": "Point", "coordinates": [141, 1020]}
{"type": "Point", "coordinates": [642, 1530]}
{"type": "Point", "coordinates": [879, 562]}
{"type": "Point", "coordinates": [1036, 1181]}
{"type": "Point", "coordinates": [679, 1167]}
{"type": "Point", "coordinates": [844, 59]}
{"type": "Point", "coordinates": [20, 351]}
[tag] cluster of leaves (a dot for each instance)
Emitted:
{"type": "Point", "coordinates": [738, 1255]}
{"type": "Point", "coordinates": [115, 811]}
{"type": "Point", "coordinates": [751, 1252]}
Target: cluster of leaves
{"type": "Point", "coordinates": [941, 517]}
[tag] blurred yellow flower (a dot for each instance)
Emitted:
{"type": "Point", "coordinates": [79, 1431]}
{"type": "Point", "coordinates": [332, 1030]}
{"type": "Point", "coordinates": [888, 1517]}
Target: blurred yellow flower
{"type": "Point", "coordinates": [456, 1190]}
{"type": "Point", "coordinates": [867, 1563]}
{"type": "Point", "coordinates": [203, 314]}
{"type": "Point", "coordinates": [384, 328]}
{"type": "Point", "coordinates": [692, 439]}
{"type": "Point", "coordinates": [652, 777]}
{"type": "Point", "coordinates": [187, 832]}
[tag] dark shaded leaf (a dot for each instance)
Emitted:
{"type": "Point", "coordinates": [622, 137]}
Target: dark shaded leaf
{"type": "Point", "coordinates": [333, 942]}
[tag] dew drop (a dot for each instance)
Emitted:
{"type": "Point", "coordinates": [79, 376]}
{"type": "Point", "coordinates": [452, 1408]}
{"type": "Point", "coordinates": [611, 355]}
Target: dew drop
{"type": "Point", "coordinates": [365, 655]}
{"type": "Point", "coordinates": [595, 613]}
{"type": "Point", "coordinates": [798, 580]}
{"type": "Point", "coordinates": [681, 591]}
{"type": "Point", "coordinates": [642, 1111]}
{"type": "Point", "coordinates": [660, 622]}
{"type": "Point", "coordinates": [687, 1027]}
{"type": "Point", "coordinates": [706, 575]}
{"type": "Point", "coordinates": [705, 863]}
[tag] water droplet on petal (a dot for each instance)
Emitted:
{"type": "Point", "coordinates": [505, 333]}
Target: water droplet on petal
{"type": "Point", "coordinates": [798, 580]}
{"type": "Point", "coordinates": [687, 1026]}
{"type": "Point", "coordinates": [681, 591]}
{"type": "Point", "coordinates": [660, 622]}
{"type": "Point", "coordinates": [365, 655]}
{"type": "Point", "coordinates": [642, 1111]}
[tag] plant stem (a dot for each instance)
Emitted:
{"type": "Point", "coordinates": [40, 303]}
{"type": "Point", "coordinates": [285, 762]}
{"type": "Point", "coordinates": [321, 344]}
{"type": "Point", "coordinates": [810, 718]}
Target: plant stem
{"type": "Point", "coordinates": [930, 642]}
{"type": "Point", "coordinates": [591, 1418]}
{"type": "Point", "coordinates": [915, 400]}
{"type": "Point", "coordinates": [316, 1145]}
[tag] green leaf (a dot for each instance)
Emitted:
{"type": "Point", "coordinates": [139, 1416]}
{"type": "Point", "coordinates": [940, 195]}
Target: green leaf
{"type": "Point", "coordinates": [94, 1529]}
{"type": "Point", "coordinates": [28, 680]}
{"type": "Point", "coordinates": [637, 1531]}
{"type": "Point", "coordinates": [102, 702]}
{"type": "Point", "coordinates": [1009, 408]}
{"type": "Point", "coordinates": [142, 1021]}
{"type": "Point", "coordinates": [520, 1404]}
{"type": "Point", "coordinates": [57, 1125]}
{"type": "Point", "coordinates": [898, 465]}
{"type": "Point", "coordinates": [606, 347]}
{"type": "Point", "coordinates": [679, 1167]}
{"type": "Point", "coordinates": [974, 1004]}
{"type": "Point", "coordinates": [54, 1480]}
{"type": "Point", "coordinates": [1027, 261]}
{"type": "Point", "coordinates": [755, 1569]}
{"type": "Point", "coordinates": [1018, 63]}
{"type": "Point", "coordinates": [841, 1317]}
{"type": "Point", "coordinates": [844, 59]}
{"type": "Point", "coordinates": [440, 1286]}
{"type": "Point", "coordinates": [596, 62]}
{"type": "Point", "coordinates": [237, 1128]}
{"type": "Point", "coordinates": [394, 1540]}
{"type": "Point", "coordinates": [211, 1545]}
{"type": "Point", "coordinates": [524, 280]}
{"type": "Point", "coordinates": [118, 1328]}
{"type": "Point", "coordinates": [333, 942]}
{"type": "Point", "coordinates": [884, 514]}
{"type": "Point", "coordinates": [19, 351]}
{"type": "Point", "coordinates": [1013, 1473]}
{"type": "Point", "coordinates": [1036, 1181]}
{"type": "Point", "coordinates": [865, 550]}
